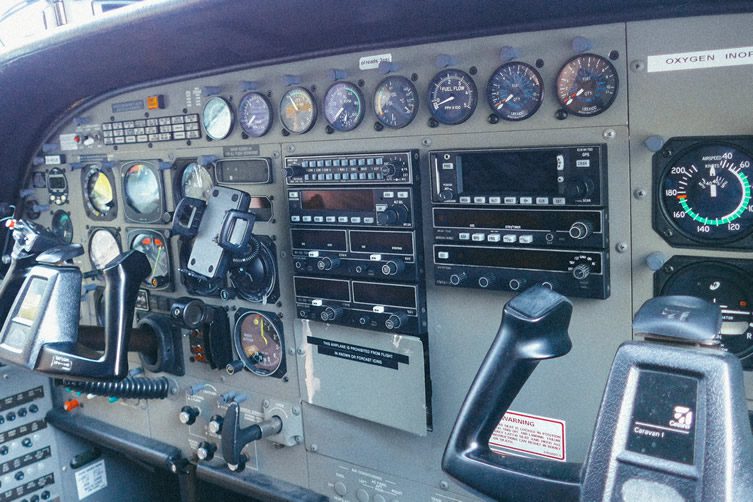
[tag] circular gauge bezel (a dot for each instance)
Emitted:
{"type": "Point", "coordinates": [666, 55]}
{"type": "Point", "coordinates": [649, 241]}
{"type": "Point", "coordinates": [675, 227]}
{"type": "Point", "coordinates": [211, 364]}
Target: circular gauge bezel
{"type": "Point", "coordinates": [603, 107]}
{"type": "Point", "coordinates": [336, 91]}
{"type": "Point", "coordinates": [113, 233]}
{"type": "Point", "coordinates": [472, 98]}
{"type": "Point", "coordinates": [314, 111]}
{"type": "Point", "coordinates": [398, 124]}
{"type": "Point", "coordinates": [92, 211]}
{"type": "Point", "coordinates": [181, 172]}
{"type": "Point", "coordinates": [664, 222]}
{"type": "Point", "coordinates": [264, 256]}
{"type": "Point", "coordinates": [537, 100]}
{"type": "Point", "coordinates": [279, 369]}
{"type": "Point", "coordinates": [247, 128]}
{"type": "Point", "coordinates": [222, 133]}
{"type": "Point", "coordinates": [133, 235]}
{"type": "Point", "coordinates": [132, 213]}
{"type": "Point", "coordinates": [55, 219]}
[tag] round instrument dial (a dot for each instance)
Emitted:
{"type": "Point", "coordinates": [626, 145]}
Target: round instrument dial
{"type": "Point", "coordinates": [452, 97]}
{"type": "Point", "coordinates": [726, 286]}
{"type": "Point", "coordinates": [587, 85]}
{"type": "Point", "coordinates": [142, 189]}
{"type": "Point", "coordinates": [514, 91]}
{"type": "Point", "coordinates": [344, 106]}
{"type": "Point", "coordinates": [705, 192]}
{"type": "Point", "coordinates": [62, 226]}
{"type": "Point", "coordinates": [153, 245]}
{"type": "Point", "coordinates": [255, 114]}
{"type": "Point", "coordinates": [196, 182]}
{"type": "Point", "coordinates": [396, 102]}
{"type": "Point", "coordinates": [99, 194]}
{"type": "Point", "coordinates": [259, 343]}
{"type": "Point", "coordinates": [103, 247]}
{"type": "Point", "coordinates": [298, 110]}
{"type": "Point", "coordinates": [217, 118]}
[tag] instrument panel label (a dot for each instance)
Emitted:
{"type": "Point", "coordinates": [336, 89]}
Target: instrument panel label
{"type": "Point", "coordinates": [91, 479]}
{"type": "Point", "coordinates": [358, 353]}
{"type": "Point", "coordinates": [530, 434]}
{"type": "Point", "coordinates": [372, 62]}
{"type": "Point", "coordinates": [696, 60]}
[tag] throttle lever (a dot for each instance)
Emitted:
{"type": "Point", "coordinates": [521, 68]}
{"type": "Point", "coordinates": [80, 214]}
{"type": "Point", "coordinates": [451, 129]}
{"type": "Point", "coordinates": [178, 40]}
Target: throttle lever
{"type": "Point", "coordinates": [533, 328]}
{"type": "Point", "coordinates": [235, 438]}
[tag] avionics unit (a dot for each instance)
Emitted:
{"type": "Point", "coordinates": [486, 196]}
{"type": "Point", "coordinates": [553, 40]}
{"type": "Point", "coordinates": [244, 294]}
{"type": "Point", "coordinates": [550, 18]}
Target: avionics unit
{"type": "Point", "coordinates": [506, 219]}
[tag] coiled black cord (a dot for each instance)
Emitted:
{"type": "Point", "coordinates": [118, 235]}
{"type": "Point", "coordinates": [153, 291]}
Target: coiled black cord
{"type": "Point", "coordinates": [128, 388]}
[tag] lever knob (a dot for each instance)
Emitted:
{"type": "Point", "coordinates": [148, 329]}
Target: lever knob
{"type": "Point", "coordinates": [235, 438]}
{"type": "Point", "coordinates": [188, 415]}
{"type": "Point", "coordinates": [581, 229]}
{"type": "Point", "coordinates": [206, 450]}
{"type": "Point", "coordinates": [215, 424]}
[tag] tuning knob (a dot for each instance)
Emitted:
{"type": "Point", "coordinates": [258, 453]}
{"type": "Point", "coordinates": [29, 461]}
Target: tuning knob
{"type": "Point", "coordinates": [188, 415]}
{"type": "Point", "coordinates": [394, 321]}
{"type": "Point", "coordinates": [485, 281]}
{"type": "Point", "coordinates": [294, 171]}
{"type": "Point", "coordinates": [391, 170]}
{"type": "Point", "coordinates": [206, 450]}
{"type": "Point", "coordinates": [393, 267]}
{"type": "Point", "coordinates": [215, 424]}
{"type": "Point", "coordinates": [581, 271]}
{"type": "Point", "coordinates": [332, 314]}
{"type": "Point", "coordinates": [393, 215]}
{"type": "Point", "coordinates": [581, 229]}
{"type": "Point", "coordinates": [446, 194]}
{"type": "Point", "coordinates": [579, 187]}
{"type": "Point", "coordinates": [328, 263]}
{"type": "Point", "coordinates": [457, 279]}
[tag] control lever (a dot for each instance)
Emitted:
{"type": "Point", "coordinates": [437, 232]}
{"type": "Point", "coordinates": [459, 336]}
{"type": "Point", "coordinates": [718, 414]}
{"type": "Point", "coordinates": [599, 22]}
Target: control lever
{"type": "Point", "coordinates": [534, 328]}
{"type": "Point", "coordinates": [235, 438]}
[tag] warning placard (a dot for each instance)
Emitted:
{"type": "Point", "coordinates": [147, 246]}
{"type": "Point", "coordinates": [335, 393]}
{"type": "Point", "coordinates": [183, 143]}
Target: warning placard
{"type": "Point", "coordinates": [531, 434]}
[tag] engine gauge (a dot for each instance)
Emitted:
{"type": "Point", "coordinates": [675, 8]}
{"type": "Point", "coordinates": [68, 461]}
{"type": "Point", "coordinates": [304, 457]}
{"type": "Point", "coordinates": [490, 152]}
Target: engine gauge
{"type": "Point", "coordinates": [705, 193]}
{"type": "Point", "coordinates": [344, 106]}
{"type": "Point", "coordinates": [723, 284]}
{"type": "Point", "coordinates": [452, 96]}
{"type": "Point", "coordinates": [587, 85]}
{"type": "Point", "coordinates": [396, 102]}
{"type": "Point", "coordinates": [514, 91]}
{"type": "Point", "coordinates": [103, 247]}
{"type": "Point", "coordinates": [298, 110]}
{"type": "Point", "coordinates": [217, 118]}
{"type": "Point", "coordinates": [99, 193]}
{"type": "Point", "coordinates": [259, 343]}
{"type": "Point", "coordinates": [255, 114]}
{"type": "Point", "coordinates": [62, 226]}
{"type": "Point", "coordinates": [196, 182]}
{"type": "Point", "coordinates": [154, 246]}
{"type": "Point", "coordinates": [142, 187]}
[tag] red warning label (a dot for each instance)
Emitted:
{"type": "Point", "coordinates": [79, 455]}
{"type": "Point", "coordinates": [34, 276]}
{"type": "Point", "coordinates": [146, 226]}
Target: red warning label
{"type": "Point", "coordinates": [531, 434]}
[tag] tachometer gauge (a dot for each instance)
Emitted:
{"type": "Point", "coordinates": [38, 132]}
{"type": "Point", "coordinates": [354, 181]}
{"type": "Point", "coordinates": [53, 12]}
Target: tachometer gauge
{"type": "Point", "coordinates": [452, 97]}
{"type": "Point", "coordinates": [196, 182]}
{"type": "Point", "coordinates": [344, 106]}
{"type": "Point", "coordinates": [705, 193]}
{"type": "Point", "coordinates": [99, 193]}
{"type": "Point", "coordinates": [217, 118]}
{"type": "Point", "coordinates": [395, 102]}
{"type": "Point", "coordinates": [62, 226]}
{"type": "Point", "coordinates": [514, 91]}
{"type": "Point", "coordinates": [259, 344]}
{"type": "Point", "coordinates": [298, 110]}
{"type": "Point", "coordinates": [255, 114]}
{"type": "Point", "coordinates": [143, 192]}
{"type": "Point", "coordinates": [103, 247]}
{"type": "Point", "coordinates": [587, 85]}
{"type": "Point", "coordinates": [154, 246]}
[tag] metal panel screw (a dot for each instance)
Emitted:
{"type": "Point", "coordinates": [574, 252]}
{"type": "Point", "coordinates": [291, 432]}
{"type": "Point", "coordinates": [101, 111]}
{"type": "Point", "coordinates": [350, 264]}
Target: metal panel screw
{"type": "Point", "coordinates": [426, 141]}
{"type": "Point", "coordinates": [291, 148]}
{"type": "Point", "coordinates": [296, 410]}
{"type": "Point", "coordinates": [640, 193]}
{"type": "Point", "coordinates": [265, 403]}
{"type": "Point", "coordinates": [609, 134]}
{"type": "Point", "coordinates": [621, 247]}
{"type": "Point", "coordinates": [637, 65]}
{"type": "Point", "coordinates": [444, 485]}
{"type": "Point", "coordinates": [314, 448]}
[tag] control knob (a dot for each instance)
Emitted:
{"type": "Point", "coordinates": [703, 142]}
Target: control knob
{"type": "Point", "coordinates": [328, 263]}
{"type": "Point", "coordinates": [393, 267]}
{"type": "Point", "coordinates": [215, 424]}
{"type": "Point", "coordinates": [396, 214]}
{"type": "Point", "coordinates": [446, 194]}
{"type": "Point", "coordinates": [294, 171]}
{"type": "Point", "coordinates": [188, 415]}
{"type": "Point", "coordinates": [580, 229]}
{"type": "Point", "coordinates": [206, 450]}
{"type": "Point", "coordinates": [485, 281]}
{"type": "Point", "coordinates": [581, 271]}
{"type": "Point", "coordinates": [457, 279]}
{"type": "Point", "coordinates": [394, 321]}
{"type": "Point", "coordinates": [579, 187]}
{"type": "Point", "coordinates": [332, 313]}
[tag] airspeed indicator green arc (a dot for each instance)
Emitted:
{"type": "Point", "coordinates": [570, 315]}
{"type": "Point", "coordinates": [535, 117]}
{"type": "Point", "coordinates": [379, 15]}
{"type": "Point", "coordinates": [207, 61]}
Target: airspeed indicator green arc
{"type": "Point", "coordinates": [705, 192]}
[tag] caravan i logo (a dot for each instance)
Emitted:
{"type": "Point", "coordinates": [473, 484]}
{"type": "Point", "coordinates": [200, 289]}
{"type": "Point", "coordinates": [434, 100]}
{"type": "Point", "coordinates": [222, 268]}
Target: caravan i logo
{"type": "Point", "coordinates": [682, 418]}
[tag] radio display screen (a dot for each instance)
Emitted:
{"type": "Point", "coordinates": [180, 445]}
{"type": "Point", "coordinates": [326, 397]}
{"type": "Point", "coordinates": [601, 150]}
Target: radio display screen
{"type": "Point", "coordinates": [338, 200]}
{"type": "Point", "coordinates": [384, 294]}
{"type": "Point", "coordinates": [381, 242]}
{"type": "Point", "coordinates": [330, 240]}
{"type": "Point", "coordinates": [322, 288]}
{"type": "Point", "coordinates": [56, 182]}
{"type": "Point", "coordinates": [514, 172]}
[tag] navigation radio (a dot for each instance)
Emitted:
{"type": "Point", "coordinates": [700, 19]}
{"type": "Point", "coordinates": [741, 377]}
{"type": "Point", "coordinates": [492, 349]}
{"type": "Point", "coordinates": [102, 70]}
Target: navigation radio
{"type": "Point", "coordinates": [559, 176]}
